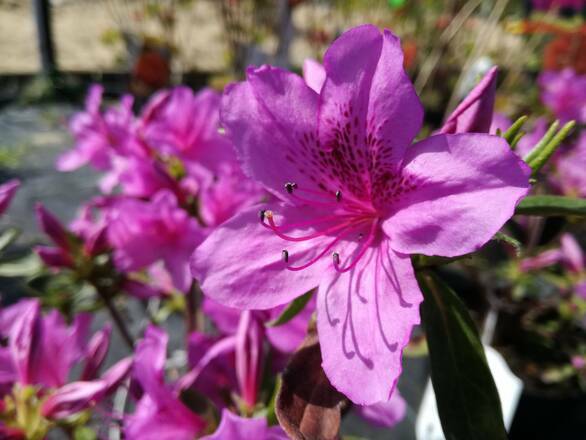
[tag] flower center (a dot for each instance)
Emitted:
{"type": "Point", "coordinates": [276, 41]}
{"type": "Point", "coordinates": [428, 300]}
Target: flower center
{"type": "Point", "coordinates": [349, 219]}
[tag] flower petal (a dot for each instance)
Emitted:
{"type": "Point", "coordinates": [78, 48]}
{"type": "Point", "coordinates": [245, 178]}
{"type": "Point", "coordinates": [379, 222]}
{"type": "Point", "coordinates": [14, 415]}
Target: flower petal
{"type": "Point", "coordinates": [314, 74]}
{"type": "Point", "coordinates": [97, 349]}
{"type": "Point", "coordinates": [384, 414]}
{"type": "Point", "coordinates": [162, 420]}
{"type": "Point", "coordinates": [7, 191]}
{"type": "Point", "coordinates": [463, 189]}
{"type": "Point", "coordinates": [239, 428]}
{"type": "Point", "coordinates": [364, 320]}
{"type": "Point", "coordinates": [240, 264]}
{"type": "Point", "coordinates": [271, 118]}
{"type": "Point", "coordinates": [572, 253]}
{"type": "Point", "coordinates": [474, 113]}
{"type": "Point", "coordinates": [149, 360]}
{"type": "Point", "coordinates": [369, 112]}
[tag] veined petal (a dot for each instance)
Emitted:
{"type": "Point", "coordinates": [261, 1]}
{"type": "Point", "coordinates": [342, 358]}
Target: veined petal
{"type": "Point", "coordinates": [241, 265]}
{"type": "Point", "coordinates": [364, 319]}
{"type": "Point", "coordinates": [369, 112]}
{"type": "Point", "coordinates": [271, 118]}
{"type": "Point", "coordinates": [462, 190]}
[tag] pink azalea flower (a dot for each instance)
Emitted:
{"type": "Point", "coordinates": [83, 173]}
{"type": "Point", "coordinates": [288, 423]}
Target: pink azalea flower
{"type": "Point", "coordinates": [42, 351]}
{"type": "Point", "coordinates": [356, 201]}
{"type": "Point", "coordinates": [474, 113]}
{"type": "Point", "coordinates": [384, 414]}
{"type": "Point", "coordinates": [78, 396]}
{"type": "Point", "coordinates": [99, 136]}
{"type": "Point", "coordinates": [233, 427]}
{"type": "Point", "coordinates": [285, 338]}
{"type": "Point", "coordinates": [570, 169]}
{"type": "Point", "coordinates": [564, 93]}
{"type": "Point", "coordinates": [228, 193]}
{"type": "Point", "coordinates": [90, 238]}
{"type": "Point", "coordinates": [137, 176]}
{"type": "Point", "coordinates": [569, 254]}
{"type": "Point", "coordinates": [159, 414]}
{"type": "Point", "coordinates": [144, 232]}
{"type": "Point", "coordinates": [7, 191]}
{"type": "Point", "coordinates": [179, 123]}
{"type": "Point", "coordinates": [212, 361]}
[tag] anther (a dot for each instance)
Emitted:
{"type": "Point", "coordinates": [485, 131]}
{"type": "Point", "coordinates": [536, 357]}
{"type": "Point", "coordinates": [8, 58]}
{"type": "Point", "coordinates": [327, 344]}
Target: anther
{"type": "Point", "coordinates": [290, 186]}
{"type": "Point", "coordinates": [338, 195]}
{"type": "Point", "coordinates": [262, 214]}
{"type": "Point", "coordinates": [285, 256]}
{"type": "Point", "coordinates": [336, 258]}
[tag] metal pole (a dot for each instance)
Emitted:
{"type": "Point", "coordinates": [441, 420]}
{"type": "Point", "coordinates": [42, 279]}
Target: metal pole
{"type": "Point", "coordinates": [42, 11]}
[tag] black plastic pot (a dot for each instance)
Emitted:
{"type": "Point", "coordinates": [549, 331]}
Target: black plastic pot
{"type": "Point", "coordinates": [540, 417]}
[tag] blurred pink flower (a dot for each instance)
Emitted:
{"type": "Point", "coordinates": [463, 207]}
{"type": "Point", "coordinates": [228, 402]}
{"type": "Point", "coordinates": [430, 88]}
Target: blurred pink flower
{"type": "Point", "coordinates": [384, 414]}
{"type": "Point", "coordinates": [571, 176]}
{"type": "Point", "coordinates": [159, 414]}
{"type": "Point", "coordinates": [564, 93]}
{"type": "Point", "coordinates": [233, 427]}
{"type": "Point", "coordinates": [7, 191]}
{"type": "Point", "coordinates": [144, 232]}
{"type": "Point", "coordinates": [100, 136]}
{"type": "Point", "coordinates": [179, 123]}
{"type": "Point", "coordinates": [42, 351]}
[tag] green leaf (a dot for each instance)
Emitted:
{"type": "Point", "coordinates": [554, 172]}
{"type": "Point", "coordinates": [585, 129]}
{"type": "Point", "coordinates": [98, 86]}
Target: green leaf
{"type": "Point", "coordinates": [7, 237]}
{"type": "Point", "coordinates": [292, 310]}
{"type": "Point", "coordinates": [24, 267]}
{"type": "Point", "coordinates": [547, 206]}
{"type": "Point", "coordinates": [545, 153]}
{"type": "Point", "coordinates": [467, 399]}
{"type": "Point", "coordinates": [547, 137]}
{"type": "Point", "coordinates": [514, 130]}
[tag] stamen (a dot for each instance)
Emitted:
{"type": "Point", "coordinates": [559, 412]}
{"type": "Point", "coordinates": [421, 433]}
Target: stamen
{"type": "Point", "coordinates": [290, 186]}
{"type": "Point", "coordinates": [326, 231]}
{"type": "Point", "coordinates": [326, 249]}
{"type": "Point", "coordinates": [349, 205]}
{"type": "Point", "coordinates": [285, 256]}
{"type": "Point", "coordinates": [363, 249]}
{"type": "Point", "coordinates": [316, 220]}
{"type": "Point", "coordinates": [336, 258]}
{"type": "Point", "coordinates": [261, 214]}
